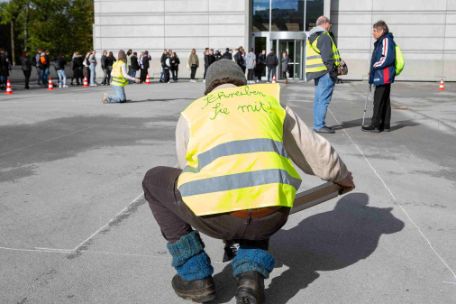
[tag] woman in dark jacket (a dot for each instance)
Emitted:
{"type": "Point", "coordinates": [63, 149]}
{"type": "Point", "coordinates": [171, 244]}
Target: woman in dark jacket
{"type": "Point", "coordinates": [110, 59]}
{"type": "Point", "coordinates": [77, 66]}
{"type": "Point", "coordinates": [174, 66]}
{"type": "Point", "coordinates": [26, 65]}
{"type": "Point", "coordinates": [381, 75]}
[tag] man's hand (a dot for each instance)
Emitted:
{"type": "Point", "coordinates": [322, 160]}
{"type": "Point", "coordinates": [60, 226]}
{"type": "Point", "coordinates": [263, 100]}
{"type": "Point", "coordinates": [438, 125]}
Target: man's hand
{"type": "Point", "coordinates": [137, 80]}
{"type": "Point", "coordinates": [347, 183]}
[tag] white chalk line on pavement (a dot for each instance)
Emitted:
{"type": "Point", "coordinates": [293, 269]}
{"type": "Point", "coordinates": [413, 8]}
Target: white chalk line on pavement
{"type": "Point", "coordinates": [426, 239]}
{"type": "Point", "coordinates": [45, 141]}
{"type": "Point", "coordinates": [117, 216]}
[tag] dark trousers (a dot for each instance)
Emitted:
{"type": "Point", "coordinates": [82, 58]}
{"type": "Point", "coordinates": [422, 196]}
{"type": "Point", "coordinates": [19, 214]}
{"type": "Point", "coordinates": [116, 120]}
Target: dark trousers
{"type": "Point", "coordinates": [250, 74]}
{"type": "Point", "coordinates": [176, 219]}
{"type": "Point", "coordinates": [143, 75]}
{"type": "Point", "coordinates": [381, 116]}
{"type": "Point", "coordinates": [27, 77]}
{"type": "Point", "coordinates": [174, 72]}
{"type": "Point", "coordinates": [193, 71]}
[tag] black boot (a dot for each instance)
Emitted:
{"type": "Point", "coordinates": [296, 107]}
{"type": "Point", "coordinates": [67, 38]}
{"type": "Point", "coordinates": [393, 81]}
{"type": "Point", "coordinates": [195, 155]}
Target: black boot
{"type": "Point", "coordinates": [198, 291]}
{"type": "Point", "coordinates": [370, 128]}
{"type": "Point", "coordinates": [250, 288]}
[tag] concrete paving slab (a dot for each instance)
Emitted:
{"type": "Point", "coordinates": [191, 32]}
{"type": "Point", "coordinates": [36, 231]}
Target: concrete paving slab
{"type": "Point", "coordinates": [70, 178]}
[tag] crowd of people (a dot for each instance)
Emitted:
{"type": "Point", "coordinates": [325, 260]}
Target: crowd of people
{"type": "Point", "coordinates": [255, 65]}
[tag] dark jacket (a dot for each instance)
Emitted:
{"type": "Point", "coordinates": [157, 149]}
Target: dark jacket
{"type": "Point", "coordinates": [134, 63]}
{"type": "Point", "coordinates": [271, 60]}
{"type": "Point", "coordinates": [110, 61]}
{"type": "Point", "coordinates": [324, 45]}
{"type": "Point", "coordinates": [4, 65]}
{"type": "Point", "coordinates": [227, 55]}
{"type": "Point", "coordinates": [239, 59]}
{"type": "Point", "coordinates": [103, 61]}
{"type": "Point", "coordinates": [60, 63]}
{"type": "Point", "coordinates": [382, 67]}
{"type": "Point", "coordinates": [174, 60]}
{"type": "Point", "coordinates": [77, 62]}
{"type": "Point", "coordinates": [26, 63]}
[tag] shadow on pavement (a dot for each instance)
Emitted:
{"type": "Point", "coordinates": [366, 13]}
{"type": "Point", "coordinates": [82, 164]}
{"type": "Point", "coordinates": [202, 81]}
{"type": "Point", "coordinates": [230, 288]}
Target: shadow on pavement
{"type": "Point", "coordinates": [358, 122]}
{"type": "Point", "coordinates": [323, 242]}
{"type": "Point", "coordinates": [328, 241]}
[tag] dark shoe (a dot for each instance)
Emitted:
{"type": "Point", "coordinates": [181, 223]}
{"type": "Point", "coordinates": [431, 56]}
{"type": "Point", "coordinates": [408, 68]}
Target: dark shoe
{"type": "Point", "coordinates": [198, 291]}
{"type": "Point", "coordinates": [370, 128]}
{"type": "Point", "coordinates": [325, 130]}
{"type": "Point", "coordinates": [250, 288]}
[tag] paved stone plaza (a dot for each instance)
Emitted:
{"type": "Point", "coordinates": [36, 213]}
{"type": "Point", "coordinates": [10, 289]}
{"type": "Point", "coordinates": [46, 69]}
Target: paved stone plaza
{"type": "Point", "coordinates": [74, 226]}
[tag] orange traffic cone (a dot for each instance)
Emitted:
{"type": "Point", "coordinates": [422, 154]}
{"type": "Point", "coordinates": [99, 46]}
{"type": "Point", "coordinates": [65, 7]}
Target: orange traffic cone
{"type": "Point", "coordinates": [9, 89]}
{"type": "Point", "coordinates": [274, 79]}
{"type": "Point", "coordinates": [148, 79]}
{"type": "Point", "coordinates": [442, 85]}
{"type": "Point", "coordinates": [85, 83]}
{"type": "Point", "coordinates": [50, 85]}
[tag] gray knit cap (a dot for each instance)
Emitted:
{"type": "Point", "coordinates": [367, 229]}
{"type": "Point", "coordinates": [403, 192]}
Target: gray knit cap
{"type": "Point", "coordinates": [221, 72]}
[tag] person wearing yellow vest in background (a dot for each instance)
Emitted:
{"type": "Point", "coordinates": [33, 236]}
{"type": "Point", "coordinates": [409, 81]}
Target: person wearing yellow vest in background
{"type": "Point", "coordinates": [119, 80]}
{"type": "Point", "coordinates": [322, 60]}
{"type": "Point", "coordinates": [236, 181]}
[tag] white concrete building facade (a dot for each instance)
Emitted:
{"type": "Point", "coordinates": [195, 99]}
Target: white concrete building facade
{"type": "Point", "coordinates": [425, 30]}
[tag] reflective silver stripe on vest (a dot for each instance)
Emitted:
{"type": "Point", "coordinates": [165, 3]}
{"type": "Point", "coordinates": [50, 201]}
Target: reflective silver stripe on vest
{"type": "Point", "coordinates": [315, 65]}
{"type": "Point", "coordinates": [313, 57]}
{"type": "Point", "coordinates": [239, 180]}
{"type": "Point", "coordinates": [238, 147]}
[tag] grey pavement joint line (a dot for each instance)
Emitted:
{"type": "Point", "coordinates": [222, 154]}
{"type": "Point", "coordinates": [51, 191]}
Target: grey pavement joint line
{"type": "Point", "coordinates": [442, 260]}
{"type": "Point", "coordinates": [45, 141]}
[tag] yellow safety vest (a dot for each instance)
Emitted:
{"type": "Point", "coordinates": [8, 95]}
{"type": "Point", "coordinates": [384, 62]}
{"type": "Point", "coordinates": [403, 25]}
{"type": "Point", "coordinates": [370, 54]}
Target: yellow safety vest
{"type": "Point", "coordinates": [235, 157]}
{"type": "Point", "coordinates": [314, 62]}
{"type": "Point", "coordinates": [118, 78]}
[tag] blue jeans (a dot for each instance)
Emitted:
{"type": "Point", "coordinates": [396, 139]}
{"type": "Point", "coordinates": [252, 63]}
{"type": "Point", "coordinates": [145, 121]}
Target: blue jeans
{"type": "Point", "coordinates": [92, 73]}
{"type": "Point", "coordinates": [324, 87]}
{"type": "Point", "coordinates": [45, 76]}
{"type": "Point", "coordinates": [62, 77]}
{"type": "Point", "coordinates": [119, 95]}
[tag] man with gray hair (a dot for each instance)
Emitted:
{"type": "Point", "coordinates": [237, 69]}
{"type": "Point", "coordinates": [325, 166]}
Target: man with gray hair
{"type": "Point", "coordinates": [322, 60]}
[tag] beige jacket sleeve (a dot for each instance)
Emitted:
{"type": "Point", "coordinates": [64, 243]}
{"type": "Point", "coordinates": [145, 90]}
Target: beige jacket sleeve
{"type": "Point", "coordinates": [311, 152]}
{"type": "Point", "coordinates": [308, 150]}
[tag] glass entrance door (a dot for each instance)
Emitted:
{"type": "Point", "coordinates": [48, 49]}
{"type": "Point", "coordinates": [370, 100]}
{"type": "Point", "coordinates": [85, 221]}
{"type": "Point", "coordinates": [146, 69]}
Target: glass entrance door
{"type": "Point", "coordinates": [294, 49]}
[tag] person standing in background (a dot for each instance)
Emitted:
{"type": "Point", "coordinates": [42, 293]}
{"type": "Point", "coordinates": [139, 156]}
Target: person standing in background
{"type": "Point", "coordinates": [77, 67]}
{"type": "Point", "coordinates": [227, 54]}
{"type": "Point", "coordinates": [271, 62]}
{"type": "Point", "coordinates": [92, 67]}
{"type": "Point", "coordinates": [284, 65]}
{"type": "Point", "coordinates": [4, 69]}
{"type": "Point", "coordinates": [39, 71]}
{"type": "Point", "coordinates": [134, 65]}
{"type": "Point", "coordinates": [239, 58]}
{"type": "Point", "coordinates": [129, 54]}
{"type": "Point", "coordinates": [85, 66]}
{"type": "Point", "coordinates": [193, 63]}
{"type": "Point", "coordinates": [250, 62]}
{"type": "Point", "coordinates": [26, 66]}
{"type": "Point", "coordinates": [60, 68]}
{"type": "Point", "coordinates": [260, 65]}
{"type": "Point", "coordinates": [109, 63]}
{"type": "Point", "coordinates": [175, 66]}
{"type": "Point", "coordinates": [145, 59]}
{"type": "Point", "coordinates": [103, 58]}
{"type": "Point", "coordinates": [381, 75]}
{"type": "Point", "coordinates": [322, 60]}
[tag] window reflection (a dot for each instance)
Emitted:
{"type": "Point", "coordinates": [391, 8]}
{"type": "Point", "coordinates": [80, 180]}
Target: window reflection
{"type": "Point", "coordinates": [314, 10]}
{"type": "Point", "coordinates": [288, 15]}
{"type": "Point", "coordinates": [260, 21]}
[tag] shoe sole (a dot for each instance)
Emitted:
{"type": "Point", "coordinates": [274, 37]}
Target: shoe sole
{"type": "Point", "coordinates": [201, 296]}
